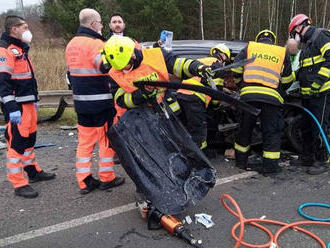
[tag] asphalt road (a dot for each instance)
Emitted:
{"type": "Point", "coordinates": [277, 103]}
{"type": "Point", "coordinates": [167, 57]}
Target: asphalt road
{"type": "Point", "coordinates": [61, 217]}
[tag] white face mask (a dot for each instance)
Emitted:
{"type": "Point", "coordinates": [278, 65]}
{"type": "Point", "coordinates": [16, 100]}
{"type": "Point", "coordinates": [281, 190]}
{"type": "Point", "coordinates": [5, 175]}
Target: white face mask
{"type": "Point", "coordinates": [27, 36]}
{"type": "Point", "coordinates": [297, 38]}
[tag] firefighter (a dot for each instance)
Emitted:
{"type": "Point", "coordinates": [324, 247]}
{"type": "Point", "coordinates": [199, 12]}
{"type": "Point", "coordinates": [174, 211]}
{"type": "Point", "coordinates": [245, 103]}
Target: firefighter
{"type": "Point", "coordinates": [130, 64]}
{"type": "Point", "coordinates": [263, 85]}
{"type": "Point", "coordinates": [194, 104]}
{"type": "Point", "coordinates": [93, 103]}
{"type": "Point", "coordinates": [314, 77]}
{"type": "Point", "coordinates": [19, 94]}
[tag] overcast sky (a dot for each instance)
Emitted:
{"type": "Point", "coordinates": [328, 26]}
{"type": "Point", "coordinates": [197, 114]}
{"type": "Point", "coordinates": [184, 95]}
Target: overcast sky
{"type": "Point", "coordinates": [11, 4]}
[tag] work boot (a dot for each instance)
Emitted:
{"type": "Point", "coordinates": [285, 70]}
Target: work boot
{"type": "Point", "coordinates": [255, 163]}
{"type": "Point", "coordinates": [116, 159]}
{"type": "Point", "coordinates": [26, 191]}
{"type": "Point", "coordinates": [301, 161]}
{"type": "Point", "coordinates": [271, 169]}
{"type": "Point", "coordinates": [114, 183]}
{"type": "Point", "coordinates": [318, 168]}
{"type": "Point", "coordinates": [35, 176]}
{"type": "Point", "coordinates": [91, 184]}
{"type": "Point", "coordinates": [42, 176]}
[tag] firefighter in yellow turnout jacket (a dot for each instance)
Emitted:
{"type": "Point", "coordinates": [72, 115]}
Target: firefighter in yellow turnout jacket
{"type": "Point", "coordinates": [130, 65]}
{"type": "Point", "coordinates": [194, 104]}
{"type": "Point", "coordinates": [263, 86]}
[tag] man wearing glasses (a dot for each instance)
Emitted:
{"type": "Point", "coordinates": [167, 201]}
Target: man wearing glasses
{"type": "Point", "coordinates": [18, 97]}
{"type": "Point", "coordinates": [93, 102]}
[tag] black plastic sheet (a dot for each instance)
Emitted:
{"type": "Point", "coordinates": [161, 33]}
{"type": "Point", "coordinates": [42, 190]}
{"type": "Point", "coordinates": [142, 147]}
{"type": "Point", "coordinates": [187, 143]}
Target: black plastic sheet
{"type": "Point", "coordinates": [161, 158]}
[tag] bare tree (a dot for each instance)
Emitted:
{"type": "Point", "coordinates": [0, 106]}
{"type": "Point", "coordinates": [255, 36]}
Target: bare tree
{"type": "Point", "coordinates": [324, 12]}
{"type": "Point", "coordinates": [315, 12]}
{"type": "Point", "coordinates": [201, 17]}
{"type": "Point", "coordinates": [247, 18]}
{"type": "Point", "coordinates": [310, 6]}
{"type": "Point", "coordinates": [242, 20]}
{"type": "Point", "coordinates": [277, 9]}
{"type": "Point", "coordinates": [233, 21]}
{"type": "Point", "coordinates": [225, 18]}
{"type": "Point", "coordinates": [259, 22]}
{"type": "Point", "coordinates": [292, 9]}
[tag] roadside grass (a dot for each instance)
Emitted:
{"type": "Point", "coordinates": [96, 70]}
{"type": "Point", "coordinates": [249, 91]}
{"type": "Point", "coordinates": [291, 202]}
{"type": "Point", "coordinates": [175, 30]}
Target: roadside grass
{"type": "Point", "coordinates": [49, 66]}
{"type": "Point", "coordinates": [69, 117]}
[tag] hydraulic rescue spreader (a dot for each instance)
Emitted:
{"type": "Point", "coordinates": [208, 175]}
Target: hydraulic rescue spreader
{"type": "Point", "coordinates": [157, 220]}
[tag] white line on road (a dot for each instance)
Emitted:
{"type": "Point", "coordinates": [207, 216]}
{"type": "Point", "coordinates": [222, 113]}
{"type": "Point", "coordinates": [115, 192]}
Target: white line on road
{"type": "Point", "coordinates": [94, 217]}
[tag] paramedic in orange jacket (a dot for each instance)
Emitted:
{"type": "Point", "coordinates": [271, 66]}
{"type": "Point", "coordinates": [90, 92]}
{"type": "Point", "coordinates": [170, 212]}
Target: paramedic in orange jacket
{"type": "Point", "coordinates": [19, 94]}
{"type": "Point", "coordinates": [93, 103]}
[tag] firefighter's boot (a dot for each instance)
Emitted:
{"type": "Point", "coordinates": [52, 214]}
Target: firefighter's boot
{"type": "Point", "coordinates": [318, 168]}
{"type": "Point", "coordinates": [305, 161]}
{"type": "Point", "coordinates": [26, 191]}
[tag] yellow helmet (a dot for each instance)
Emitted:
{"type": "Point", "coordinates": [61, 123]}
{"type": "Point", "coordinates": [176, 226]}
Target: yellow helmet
{"type": "Point", "coordinates": [118, 51]}
{"type": "Point", "coordinates": [222, 48]}
{"type": "Point", "coordinates": [266, 34]}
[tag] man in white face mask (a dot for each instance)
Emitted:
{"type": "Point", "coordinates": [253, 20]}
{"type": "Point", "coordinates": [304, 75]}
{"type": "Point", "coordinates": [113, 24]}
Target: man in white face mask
{"type": "Point", "coordinates": [18, 95]}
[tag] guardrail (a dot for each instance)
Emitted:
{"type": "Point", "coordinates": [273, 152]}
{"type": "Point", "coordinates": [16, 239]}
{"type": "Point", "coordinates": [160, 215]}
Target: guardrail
{"type": "Point", "coordinates": [59, 99]}
{"type": "Point", "coordinates": [52, 98]}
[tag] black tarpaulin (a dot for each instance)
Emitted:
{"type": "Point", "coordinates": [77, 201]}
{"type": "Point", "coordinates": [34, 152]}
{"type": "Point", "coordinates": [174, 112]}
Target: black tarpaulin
{"type": "Point", "coordinates": [160, 157]}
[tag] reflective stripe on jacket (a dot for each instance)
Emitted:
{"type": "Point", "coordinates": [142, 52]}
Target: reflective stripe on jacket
{"type": "Point", "coordinates": [90, 86]}
{"type": "Point", "coordinates": [197, 81]}
{"type": "Point", "coordinates": [267, 66]}
{"type": "Point", "coordinates": [152, 68]}
{"type": "Point", "coordinates": [17, 81]}
{"type": "Point", "coordinates": [314, 61]}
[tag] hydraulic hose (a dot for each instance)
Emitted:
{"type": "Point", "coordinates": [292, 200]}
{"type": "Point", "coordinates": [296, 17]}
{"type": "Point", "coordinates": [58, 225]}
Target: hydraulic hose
{"type": "Point", "coordinates": [313, 204]}
{"type": "Point", "coordinates": [320, 128]}
{"type": "Point", "coordinates": [273, 237]}
{"type": "Point", "coordinates": [316, 122]}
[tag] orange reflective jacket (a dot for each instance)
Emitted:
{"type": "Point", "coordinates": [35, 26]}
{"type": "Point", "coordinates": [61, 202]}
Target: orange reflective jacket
{"type": "Point", "coordinates": [152, 68]}
{"type": "Point", "coordinates": [90, 86]}
{"type": "Point", "coordinates": [267, 66]}
{"type": "Point", "coordinates": [17, 81]}
{"type": "Point", "coordinates": [197, 81]}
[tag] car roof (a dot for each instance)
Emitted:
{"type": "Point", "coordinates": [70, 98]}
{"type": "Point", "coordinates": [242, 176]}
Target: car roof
{"type": "Point", "coordinates": [200, 48]}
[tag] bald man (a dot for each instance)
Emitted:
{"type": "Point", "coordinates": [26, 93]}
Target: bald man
{"type": "Point", "coordinates": [93, 103]}
{"type": "Point", "coordinates": [292, 46]}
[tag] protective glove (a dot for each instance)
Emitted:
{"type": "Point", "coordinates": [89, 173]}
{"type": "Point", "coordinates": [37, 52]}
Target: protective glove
{"type": "Point", "coordinates": [315, 89]}
{"type": "Point", "coordinates": [205, 71]}
{"type": "Point", "coordinates": [106, 63]}
{"type": "Point", "coordinates": [148, 94]}
{"type": "Point", "coordinates": [15, 117]}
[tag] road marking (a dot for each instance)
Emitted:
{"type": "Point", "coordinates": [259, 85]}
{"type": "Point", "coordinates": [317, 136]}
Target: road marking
{"type": "Point", "coordinates": [95, 217]}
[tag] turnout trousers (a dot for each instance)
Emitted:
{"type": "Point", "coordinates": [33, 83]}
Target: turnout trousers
{"type": "Point", "coordinates": [20, 140]}
{"type": "Point", "coordinates": [271, 118]}
{"type": "Point", "coordinates": [88, 137]}
{"type": "Point", "coordinates": [313, 145]}
{"type": "Point", "coordinates": [194, 117]}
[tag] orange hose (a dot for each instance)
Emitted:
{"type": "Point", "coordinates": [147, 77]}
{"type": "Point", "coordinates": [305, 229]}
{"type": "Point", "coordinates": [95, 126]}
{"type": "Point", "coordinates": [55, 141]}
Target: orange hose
{"type": "Point", "coordinates": [273, 238]}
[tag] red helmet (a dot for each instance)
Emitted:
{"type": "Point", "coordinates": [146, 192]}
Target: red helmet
{"type": "Point", "coordinates": [298, 20]}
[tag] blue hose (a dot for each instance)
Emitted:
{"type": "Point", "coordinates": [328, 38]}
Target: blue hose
{"type": "Point", "coordinates": [321, 130]}
{"type": "Point", "coordinates": [313, 204]}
